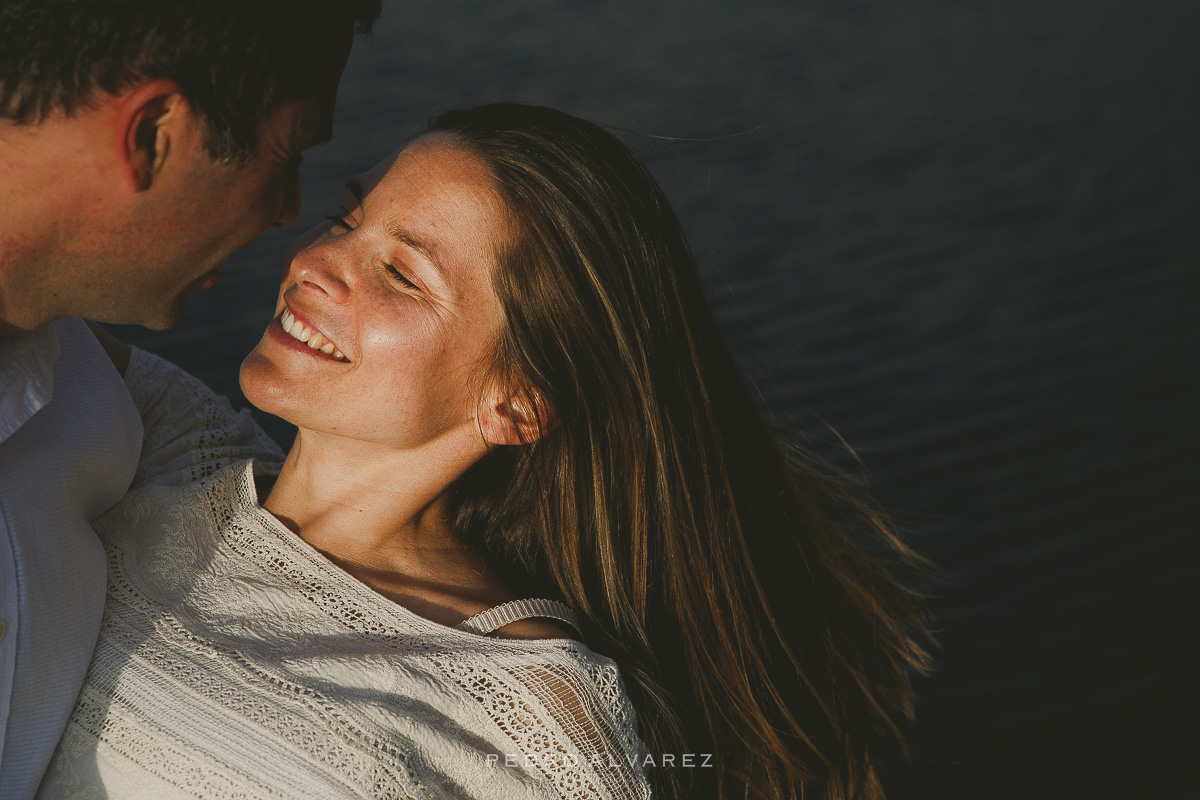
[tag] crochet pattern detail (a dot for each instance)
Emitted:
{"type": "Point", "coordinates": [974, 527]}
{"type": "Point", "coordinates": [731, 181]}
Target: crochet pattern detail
{"type": "Point", "coordinates": [237, 663]}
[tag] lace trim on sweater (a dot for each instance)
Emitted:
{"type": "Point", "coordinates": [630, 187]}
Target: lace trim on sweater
{"type": "Point", "coordinates": [214, 676]}
{"type": "Point", "coordinates": [190, 431]}
{"type": "Point", "coordinates": [561, 707]}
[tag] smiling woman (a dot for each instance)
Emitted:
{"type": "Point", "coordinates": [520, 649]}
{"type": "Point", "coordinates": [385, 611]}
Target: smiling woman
{"type": "Point", "coordinates": [398, 283]}
{"type": "Point", "coordinates": [532, 540]}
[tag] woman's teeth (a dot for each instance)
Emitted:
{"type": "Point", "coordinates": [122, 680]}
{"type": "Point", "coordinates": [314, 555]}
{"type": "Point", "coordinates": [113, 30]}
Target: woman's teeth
{"type": "Point", "coordinates": [316, 341]}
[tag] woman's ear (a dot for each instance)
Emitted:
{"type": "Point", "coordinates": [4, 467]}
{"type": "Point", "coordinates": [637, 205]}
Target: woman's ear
{"type": "Point", "coordinates": [515, 418]}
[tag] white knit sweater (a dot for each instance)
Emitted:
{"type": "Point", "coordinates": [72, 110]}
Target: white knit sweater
{"type": "Point", "coordinates": [237, 662]}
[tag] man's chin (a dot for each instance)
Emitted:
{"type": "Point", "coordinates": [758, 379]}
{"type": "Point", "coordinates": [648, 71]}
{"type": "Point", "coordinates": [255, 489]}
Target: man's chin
{"type": "Point", "coordinates": [160, 319]}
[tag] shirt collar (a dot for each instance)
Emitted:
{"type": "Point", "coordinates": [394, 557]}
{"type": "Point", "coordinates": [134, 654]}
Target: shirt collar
{"type": "Point", "coordinates": [26, 376]}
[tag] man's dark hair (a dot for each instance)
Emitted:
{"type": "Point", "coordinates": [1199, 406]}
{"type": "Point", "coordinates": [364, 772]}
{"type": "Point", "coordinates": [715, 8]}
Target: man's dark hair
{"type": "Point", "coordinates": [236, 60]}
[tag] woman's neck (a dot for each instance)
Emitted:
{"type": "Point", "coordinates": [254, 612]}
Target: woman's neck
{"type": "Point", "coordinates": [382, 515]}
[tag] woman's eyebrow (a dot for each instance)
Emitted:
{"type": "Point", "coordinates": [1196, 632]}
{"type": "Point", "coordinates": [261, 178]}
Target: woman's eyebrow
{"type": "Point", "coordinates": [406, 238]}
{"type": "Point", "coordinates": [399, 234]}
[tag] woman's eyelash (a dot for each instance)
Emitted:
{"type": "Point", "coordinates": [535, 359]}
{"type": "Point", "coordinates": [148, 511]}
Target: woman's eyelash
{"type": "Point", "coordinates": [400, 276]}
{"type": "Point", "coordinates": [395, 273]}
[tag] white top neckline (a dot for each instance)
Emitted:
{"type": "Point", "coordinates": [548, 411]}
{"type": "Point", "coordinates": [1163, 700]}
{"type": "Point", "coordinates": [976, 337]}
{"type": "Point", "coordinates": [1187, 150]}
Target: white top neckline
{"type": "Point", "coordinates": [349, 583]}
{"type": "Point", "coordinates": [236, 662]}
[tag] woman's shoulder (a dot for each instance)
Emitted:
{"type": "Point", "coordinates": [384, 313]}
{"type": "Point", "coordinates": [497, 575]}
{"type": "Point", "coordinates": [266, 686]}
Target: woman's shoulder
{"type": "Point", "coordinates": [575, 679]}
{"type": "Point", "coordinates": [566, 713]}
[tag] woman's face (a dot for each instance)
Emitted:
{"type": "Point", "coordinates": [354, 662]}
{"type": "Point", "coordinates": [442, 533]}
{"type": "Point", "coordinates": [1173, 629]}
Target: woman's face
{"type": "Point", "coordinates": [397, 288]}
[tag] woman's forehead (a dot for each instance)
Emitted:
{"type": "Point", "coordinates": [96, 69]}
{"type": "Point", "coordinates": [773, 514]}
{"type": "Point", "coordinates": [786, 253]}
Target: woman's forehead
{"type": "Point", "coordinates": [426, 151]}
{"type": "Point", "coordinates": [430, 171]}
{"type": "Point", "coordinates": [440, 198]}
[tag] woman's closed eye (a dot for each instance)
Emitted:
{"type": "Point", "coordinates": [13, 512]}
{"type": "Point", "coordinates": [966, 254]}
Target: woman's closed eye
{"type": "Point", "coordinates": [339, 221]}
{"type": "Point", "coordinates": [399, 276]}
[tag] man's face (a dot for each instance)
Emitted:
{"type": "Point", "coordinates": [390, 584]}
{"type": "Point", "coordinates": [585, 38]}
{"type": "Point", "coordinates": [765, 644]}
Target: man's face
{"type": "Point", "coordinates": [224, 208]}
{"type": "Point", "coordinates": [140, 265]}
{"type": "Point", "coordinates": [219, 209]}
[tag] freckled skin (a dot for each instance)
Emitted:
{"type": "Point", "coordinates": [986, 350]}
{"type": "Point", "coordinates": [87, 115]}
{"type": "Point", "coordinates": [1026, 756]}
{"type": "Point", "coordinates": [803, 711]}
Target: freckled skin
{"type": "Point", "coordinates": [383, 436]}
{"type": "Point", "coordinates": [414, 352]}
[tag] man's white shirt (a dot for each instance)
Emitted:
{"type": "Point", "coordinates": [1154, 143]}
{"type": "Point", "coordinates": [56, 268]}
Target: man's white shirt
{"type": "Point", "coordinates": [70, 436]}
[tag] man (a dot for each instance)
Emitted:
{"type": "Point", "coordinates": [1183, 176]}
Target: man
{"type": "Point", "coordinates": [141, 143]}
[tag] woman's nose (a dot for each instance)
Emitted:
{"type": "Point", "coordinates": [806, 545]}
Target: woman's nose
{"type": "Point", "coordinates": [320, 267]}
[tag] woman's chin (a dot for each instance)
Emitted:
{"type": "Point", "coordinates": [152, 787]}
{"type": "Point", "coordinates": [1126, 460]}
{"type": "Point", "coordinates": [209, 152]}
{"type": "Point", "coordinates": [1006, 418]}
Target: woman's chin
{"type": "Point", "coordinates": [263, 385]}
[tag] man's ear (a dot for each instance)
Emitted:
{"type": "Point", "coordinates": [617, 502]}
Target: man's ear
{"type": "Point", "coordinates": [515, 418]}
{"type": "Point", "coordinates": [151, 119]}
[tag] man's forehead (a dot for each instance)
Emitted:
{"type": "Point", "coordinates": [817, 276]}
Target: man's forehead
{"type": "Point", "coordinates": [302, 123]}
{"type": "Point", "coordinates": [307, 121]}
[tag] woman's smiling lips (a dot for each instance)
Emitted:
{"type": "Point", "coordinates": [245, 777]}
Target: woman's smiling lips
{"type": "Point", "coordinates": [307, 334]}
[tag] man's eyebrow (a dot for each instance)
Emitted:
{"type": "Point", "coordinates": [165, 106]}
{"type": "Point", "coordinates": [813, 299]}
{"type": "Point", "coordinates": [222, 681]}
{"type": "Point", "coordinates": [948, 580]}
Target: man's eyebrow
{"type": "Point", "coordinates": [355, 188]}
{"type": "Point", "coordinates": [303, 136]}
{"type": "Point", "coordinates": [323, 136]}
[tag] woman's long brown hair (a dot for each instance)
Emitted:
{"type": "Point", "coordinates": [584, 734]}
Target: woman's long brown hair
{"type": "Point", "coordinates": [758, 604]}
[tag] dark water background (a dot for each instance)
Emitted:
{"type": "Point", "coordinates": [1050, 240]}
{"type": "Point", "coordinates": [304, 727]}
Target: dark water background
{"type": "Point", "coordinates": [964, 235]}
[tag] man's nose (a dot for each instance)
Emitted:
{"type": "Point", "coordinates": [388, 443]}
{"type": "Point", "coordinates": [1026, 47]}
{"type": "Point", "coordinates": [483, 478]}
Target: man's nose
{"type": "Point", "coordinates": [289, 207]}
